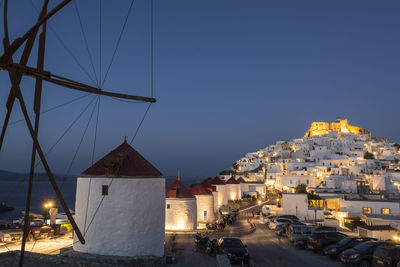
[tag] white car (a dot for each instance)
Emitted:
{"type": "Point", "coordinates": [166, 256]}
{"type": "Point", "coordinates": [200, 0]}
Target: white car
{"type": "Point", "coordinates": [272, 225]}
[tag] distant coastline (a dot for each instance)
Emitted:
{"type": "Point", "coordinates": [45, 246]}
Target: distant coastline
{"type": "Point", "coordinates": [8, 176]}
{"type": "Point", "coordinates": [15, 176]}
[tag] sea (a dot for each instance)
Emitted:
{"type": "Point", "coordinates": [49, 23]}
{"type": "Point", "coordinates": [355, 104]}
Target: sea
{"type": "Point", "coordinates": [13, 193]}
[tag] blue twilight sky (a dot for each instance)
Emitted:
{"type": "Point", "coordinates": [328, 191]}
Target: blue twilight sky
{"type": "Point", "coordinates": [230, 77]}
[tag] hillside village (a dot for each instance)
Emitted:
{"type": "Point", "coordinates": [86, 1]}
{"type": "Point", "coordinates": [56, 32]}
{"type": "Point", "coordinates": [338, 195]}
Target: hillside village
{"type": "Point", "coordinates": [335, 162]}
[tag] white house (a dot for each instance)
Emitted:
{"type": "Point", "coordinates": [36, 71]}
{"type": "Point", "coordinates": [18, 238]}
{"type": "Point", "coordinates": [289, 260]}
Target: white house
{"type": "Point", "coordinates": [221, 188]}
{"type": "Point", "coordinates": [204, 202]}
{"type": "Point", "coordinates": [297, 204]}
{"type": "Point", "coordinates": [234, 192]}
{"type": "Point", "coordinates": [117, 201]}
{"type": "Point", "coordinates": [181, 207]}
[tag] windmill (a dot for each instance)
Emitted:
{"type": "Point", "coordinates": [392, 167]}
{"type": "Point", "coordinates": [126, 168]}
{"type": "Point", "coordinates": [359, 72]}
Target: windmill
{"type": "Point", "coordinates": [16, 71]}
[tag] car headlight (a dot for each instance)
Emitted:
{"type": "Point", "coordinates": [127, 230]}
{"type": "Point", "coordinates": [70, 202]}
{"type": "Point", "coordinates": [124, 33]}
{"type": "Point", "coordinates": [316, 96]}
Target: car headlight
{"type": "Point", "coordinates": [229, 254]}
{"type": "Point", "coordinates": [333, 250]}
{"type": "Point", "coordinates": [246, 254]}
{"type": "Point", "coordinates": [354, 256]}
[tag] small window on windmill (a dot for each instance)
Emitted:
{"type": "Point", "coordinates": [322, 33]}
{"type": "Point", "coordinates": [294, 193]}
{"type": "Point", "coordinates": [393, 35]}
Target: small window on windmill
{"type": "Point", "coordinates": [104, 190]}
{"type": "Point", "coordinates": [168, 206]}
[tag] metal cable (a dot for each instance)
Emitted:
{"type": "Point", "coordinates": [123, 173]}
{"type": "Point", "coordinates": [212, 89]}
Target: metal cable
{"type": "Point", "coordinates": [90, 179]}
{"type": "Point", "coordinates": [96, 127]}
{"type": "Point", "coordinates": [65, 47]}
{"type": "Point", "coordinates": [50, 109]}
{"type": "Point", "coordinates": [79, 145]}
{"type": "Point", "coordinates": [69, 127]}
{"type": "Point", "coordinates": [86, 42]}
{"type": "Point", "coordinates": [151, 49]}
{"type": "Point", "coordinates": [117, 45]}
{"type": "Point", "coordinates": [65, 132]}
{"type": "Point", "coordinates": [140, 124]}
{"type": "Point", "coordinates": [100, 82]}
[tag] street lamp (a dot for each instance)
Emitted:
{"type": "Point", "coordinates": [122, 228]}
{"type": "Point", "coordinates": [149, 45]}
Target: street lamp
{"type": "Point", "coordinates": [47, 207]}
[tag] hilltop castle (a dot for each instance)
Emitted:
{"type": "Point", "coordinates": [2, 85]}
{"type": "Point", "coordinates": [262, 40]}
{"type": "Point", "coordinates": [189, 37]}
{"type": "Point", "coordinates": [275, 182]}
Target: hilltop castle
{"type": "Point", "coordinates": [340, 126]}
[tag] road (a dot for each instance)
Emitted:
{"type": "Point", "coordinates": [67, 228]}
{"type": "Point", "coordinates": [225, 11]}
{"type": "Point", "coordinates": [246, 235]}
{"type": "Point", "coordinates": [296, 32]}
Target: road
{"type": "Point", "coordinates": [266, 249]}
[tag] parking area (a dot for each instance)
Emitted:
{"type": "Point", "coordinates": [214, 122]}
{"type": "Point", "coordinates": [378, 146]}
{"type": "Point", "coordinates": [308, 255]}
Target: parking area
{"type": "Point", "coordinates": [264, 246]}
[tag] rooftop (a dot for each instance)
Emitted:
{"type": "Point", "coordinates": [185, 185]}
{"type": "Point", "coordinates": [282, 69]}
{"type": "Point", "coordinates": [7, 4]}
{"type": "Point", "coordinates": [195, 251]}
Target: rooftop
{"type": "Point", "coordinates": [198, 189]}
{"type": "Point", "coordinates": [178, 190]}
{"type": "Point", "coordinates": [123, 161]}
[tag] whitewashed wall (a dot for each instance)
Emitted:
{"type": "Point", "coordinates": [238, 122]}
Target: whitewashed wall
{"type": "Point", "coordinates": [215, 198]}
{"type": "Point", "coordinates": [205, 203]}
{"type": "Point", "coordinates": [222, 195]}
{"type": "Point", "coordinates": [129, 222]}
{"type": "Point", "coordinates": [355, 207]}
{"type": "Point", "coordinates": [233, 191]}
{"type": "Point", "coordinates": [181, 214]}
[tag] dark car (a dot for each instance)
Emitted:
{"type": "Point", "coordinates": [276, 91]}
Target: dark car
{"type": "Point", "coordinates": [334, 250]}
{"type": "Point", "coordinates": [386, 255]}
{"type": "Point", "coordinates": [301, 243]}
{"type": "Point", "coordinates": [361, 254]}
{"type": "Point", "coordinates": [319, 240]}
{"type": "Point", "coordinates": [325, 229]}
{"type": "Point", "coordinates": [234, 249]}
{"type": "Point", "coordinates": [291, 217]}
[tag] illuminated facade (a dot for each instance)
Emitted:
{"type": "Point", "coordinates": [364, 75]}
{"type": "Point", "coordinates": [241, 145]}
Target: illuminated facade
{"type": "Point", "coordinates": [340, 126]}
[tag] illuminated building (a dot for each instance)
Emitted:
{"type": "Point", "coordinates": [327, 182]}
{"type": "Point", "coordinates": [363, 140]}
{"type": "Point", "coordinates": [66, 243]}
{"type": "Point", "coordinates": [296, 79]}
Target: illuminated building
{"type": "Point", "coordinates": [340, 126]}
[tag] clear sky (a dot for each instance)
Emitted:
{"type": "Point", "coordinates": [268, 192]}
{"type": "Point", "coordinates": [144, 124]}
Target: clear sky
{"type": "Point", "coordinates": [230, 77]}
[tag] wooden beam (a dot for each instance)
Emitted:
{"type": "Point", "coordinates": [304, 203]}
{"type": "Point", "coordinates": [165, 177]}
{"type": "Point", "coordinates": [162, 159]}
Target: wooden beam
{"type": "Point", "coordinates": [36, 108]}
{"type": "Point", "coordinates": [19, 41]}
{"type": "Point", "coordinates": [65, 82]}
{"type": "Point", "coordinates": [46, 166]}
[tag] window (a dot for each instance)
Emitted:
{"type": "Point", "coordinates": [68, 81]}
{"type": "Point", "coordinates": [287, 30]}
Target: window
{"type": "Point", "coordinates": [308, 181]}
{"type": "Point", "coordinates": [168, 206]}
{"type": "Point", "coordinates": [104, 190]}
{"type": "Point", "coordinates": [205, 215]}
{"type": "Point", "coordinates": [367, 210]}
{"type": "Point", "coordinates": [290, 181]}
{"type": "Point", "coordinates": [385, 211]}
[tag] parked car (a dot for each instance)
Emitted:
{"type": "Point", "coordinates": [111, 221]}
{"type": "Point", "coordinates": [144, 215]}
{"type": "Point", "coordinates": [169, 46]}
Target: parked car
{"type": "Point", "coordinates": [386, 255]}
{"type": "Point", "coordinates": [37, 229]}
{"type": "Point", "coordinates": [9, 232]}
{"type": "Point", "coordinates": [280, 229]}
{"type": "Point", "coordinates": [269, 219]}
{"type": "Point", "coordinates": [361, 254]}
{"type": "Point", "coordinates": [319, 240]}
{"type": "Point", "coordinates": [299, 231]}
{"type": "Point", "coordinates": [325, 229]}
{"type": "Point", "coordinates": [291, 217]}
{"type": "Point", "coordinates": [334, 250]}
{"type": "Point", "coordinates": [234, 249]}
{"type": "Point", "coordinates": [301, 243]}
{"type": "Point", "coordinates": [278, 221]}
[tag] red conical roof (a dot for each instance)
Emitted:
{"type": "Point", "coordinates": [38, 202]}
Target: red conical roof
{"type": "Point", "coordinates": [217, 181]}
{"type": "Point", "coordinates": [124, 161]}
{"type": "Point", "coordinates": [232, 180]}
{"type": "Point", "coordinates": [241, 180]}
{"type": "Point", "coordinates": [198, 189]}
{"type": "Point", "coordinates": [178, 190]}
{"type": "Point", "coordinates": [207, 184]}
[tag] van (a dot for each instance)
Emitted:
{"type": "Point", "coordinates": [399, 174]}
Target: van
{"type": "Point", "coordinates": [298, 231]}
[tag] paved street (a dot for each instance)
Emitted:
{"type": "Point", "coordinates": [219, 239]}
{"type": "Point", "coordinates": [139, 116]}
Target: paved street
{"type": "Point", "coordinates": [264, 247]}
{"type": "Point", "coordinates": [267, 250]}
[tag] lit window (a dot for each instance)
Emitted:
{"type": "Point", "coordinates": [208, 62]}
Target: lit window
{"type": "Point", "coordinates": [104, 190]}
{"type": "Point", "coordinates": [385, 211]}
{"type": "Point", "coordinates": [367, 210]}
